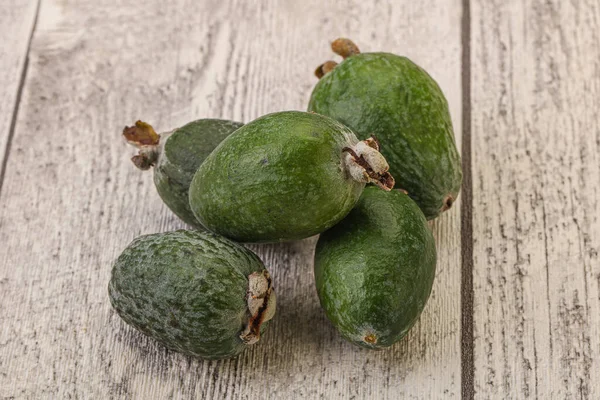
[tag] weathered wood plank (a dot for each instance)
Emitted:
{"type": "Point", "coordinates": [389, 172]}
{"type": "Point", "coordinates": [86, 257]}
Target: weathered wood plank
{"type": "Point", "coordinates": [536, 169]}
{"type": "Point", "coordinates": [17, 19]}
{"type": "Point", "coordinates": [72, 200]}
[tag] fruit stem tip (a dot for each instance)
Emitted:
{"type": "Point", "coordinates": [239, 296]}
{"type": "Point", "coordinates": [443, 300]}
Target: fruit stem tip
{"type": "Point", "coordinates": [366, 164]}
{"type": "Point", "coordinates": [343, 47]}
{"type": "Point", "coordinates": [448, 201]}
{"type": "Point", "coordinates": [143, 136]}
{"type": "Point", "coordinates": [261, 305]}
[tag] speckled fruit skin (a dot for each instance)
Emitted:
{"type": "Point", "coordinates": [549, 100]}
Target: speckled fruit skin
{"type": "Point", "coordinates": [182, 153]}
{"type": "Point", "coordinates": [187, 290]}
{"type": "Point", "coordinates": [394, 99]}
{"type": "Point", "coordinates": [374, 270]}
{"type": "Point", "coordinates": [279, 177]}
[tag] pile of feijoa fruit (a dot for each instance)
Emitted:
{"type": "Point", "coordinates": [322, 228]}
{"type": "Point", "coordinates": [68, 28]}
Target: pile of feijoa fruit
{"type": "Point", "coordinates": [375, 121]}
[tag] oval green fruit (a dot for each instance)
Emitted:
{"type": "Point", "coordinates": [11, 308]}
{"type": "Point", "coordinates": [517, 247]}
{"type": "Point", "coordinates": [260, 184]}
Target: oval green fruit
{"type": "Point", "coordinates": [176, 156]}
{"type": "Point", "coordinates": [195, 292]}
{"type": "Point", "coordinates": [374, 270]}
{"type": "Point", "coordinates": [284, 176]}
{"type": "Point", "coordinates": [392, 98]}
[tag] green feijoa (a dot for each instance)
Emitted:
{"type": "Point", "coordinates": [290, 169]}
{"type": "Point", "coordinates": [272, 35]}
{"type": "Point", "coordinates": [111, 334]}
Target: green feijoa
{"type": "Point", "coordinates": [392, 98]}
{"type": "Point", "coordinates": [195, 292]}
{"type": "Point", "coordinates": [284, 176]}
{"type": "Point", "coordinates": [374, 270]}
{"type": "Point", "coordinates": [176, 156]}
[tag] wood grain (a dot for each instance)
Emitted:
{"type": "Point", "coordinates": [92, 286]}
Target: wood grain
{"type": "Point", "coordinates": [72, 200]}
{"type": "Point", "coordinates": [536, 169]}
{"type": "Point", "coordinates": [17, 19]}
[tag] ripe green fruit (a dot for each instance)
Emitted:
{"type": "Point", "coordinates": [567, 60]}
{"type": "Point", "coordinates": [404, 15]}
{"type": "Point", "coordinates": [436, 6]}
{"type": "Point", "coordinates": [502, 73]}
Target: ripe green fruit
{"type": "Point", "coordinates": [374, 270]}
{"type": "Point", "coordinates": [176, 156]}
{"type": "Point", "coordinates": [195, 292]}
{"type": "Point", "coordinates": [389, 96]}
{"type": "Point", "coordinates": [284, 176]}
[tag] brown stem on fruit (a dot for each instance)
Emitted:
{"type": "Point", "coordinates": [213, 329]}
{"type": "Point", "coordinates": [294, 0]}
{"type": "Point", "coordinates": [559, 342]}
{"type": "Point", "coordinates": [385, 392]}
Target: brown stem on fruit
{"type": "Point", "coordinates": [261, 305]}
{"type": "Point", "coordinates": [143, 136]}
{"type": "Point", "coordinates": [448, 201]}
{"type": "Point", "coordinates": [325, 68]}
{"type": "Point", "coordinates": [344, 47]}
{"type": "Point", "coordinates": [366, 164]}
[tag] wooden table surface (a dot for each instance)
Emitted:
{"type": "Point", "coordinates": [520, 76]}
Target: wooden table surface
{"type": "Point", "coordinates": [515, 310]}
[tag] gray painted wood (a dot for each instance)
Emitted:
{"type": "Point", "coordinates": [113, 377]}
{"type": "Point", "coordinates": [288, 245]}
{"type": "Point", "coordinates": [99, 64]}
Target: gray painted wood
{"type": "Point", "coordinates": [72, 200]}
{"type": "Point", "coordinates": [536, 171]}
{"type": "Point", "coordinates": [17, 19]}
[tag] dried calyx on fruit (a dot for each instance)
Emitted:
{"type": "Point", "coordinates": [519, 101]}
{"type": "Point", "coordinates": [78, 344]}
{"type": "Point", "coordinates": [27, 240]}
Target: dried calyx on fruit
{"type": "Point", "coordinates": [342, 47]}
{"type": "Point", "coordinates": [195, 292]}
{"type": "Point", "coordinates": [366, 164]}
{"type": "Point", "coordinates": [143, 136]}
{"type": "Point", "coordinates": [261, 305]}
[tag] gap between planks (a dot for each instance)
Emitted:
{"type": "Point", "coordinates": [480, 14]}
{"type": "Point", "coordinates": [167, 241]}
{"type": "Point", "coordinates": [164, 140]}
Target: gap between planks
{"type": "Point", "coordinates": [466, 216]}
{"type": "Point", "coordinates": [13, 121]}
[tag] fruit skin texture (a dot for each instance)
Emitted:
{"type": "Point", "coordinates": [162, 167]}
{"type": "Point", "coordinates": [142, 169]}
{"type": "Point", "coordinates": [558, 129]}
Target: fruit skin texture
{"type": "Point", "coordinates": [392, 98]}
{"type": "Point", "coordinates": [187, 290]}
{"type": "Point", "coordinates": [280, 177]}
{"type": "Point", "coordinates": [182, 153]}
{"type": "Point", "coordinates": [374, 270]}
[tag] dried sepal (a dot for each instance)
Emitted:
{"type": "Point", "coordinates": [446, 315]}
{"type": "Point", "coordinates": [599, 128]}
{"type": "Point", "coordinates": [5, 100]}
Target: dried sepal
{"type": "Point", "coordinates": [141, 134]}
{"type": "Point", "coordinates": [344, 47]}
{"type": "Point", "coordinates": [373, 142]}
{"type": "Point", "coordinates": [324, 68]}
